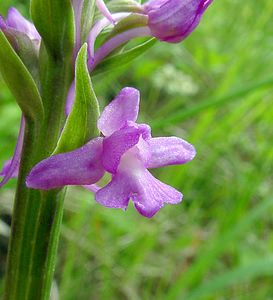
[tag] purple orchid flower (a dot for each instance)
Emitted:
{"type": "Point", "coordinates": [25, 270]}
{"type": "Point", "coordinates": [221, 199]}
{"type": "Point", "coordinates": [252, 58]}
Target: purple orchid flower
{"type": "Point", "coordinates": [15, 23]}
{"type": "Point", "coordinates": [126, 151]}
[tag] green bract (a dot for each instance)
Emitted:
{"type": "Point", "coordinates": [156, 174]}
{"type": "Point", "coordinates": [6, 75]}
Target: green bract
{"type": "Point", "coordinates": [81, 124]}
{"type": "Point", "coordinates": [118, 60]}
{"type": "Point", "coordinates": [20, 81]}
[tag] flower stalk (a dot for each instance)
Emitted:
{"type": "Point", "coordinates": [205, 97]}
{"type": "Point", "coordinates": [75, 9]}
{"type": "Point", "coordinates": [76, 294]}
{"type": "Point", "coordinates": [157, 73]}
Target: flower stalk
{"type": "Point", "coordinates": [37, 214]}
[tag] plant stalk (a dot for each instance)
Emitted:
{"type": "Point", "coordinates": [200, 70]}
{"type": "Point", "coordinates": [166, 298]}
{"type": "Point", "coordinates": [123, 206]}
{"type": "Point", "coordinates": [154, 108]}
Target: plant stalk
{"type": "Point", "coordinates": [37, 215]}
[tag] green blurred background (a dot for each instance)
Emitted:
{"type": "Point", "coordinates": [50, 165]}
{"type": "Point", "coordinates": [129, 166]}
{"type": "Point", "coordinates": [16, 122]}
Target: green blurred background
{"type": "Point", "coordinates": [214, 90]}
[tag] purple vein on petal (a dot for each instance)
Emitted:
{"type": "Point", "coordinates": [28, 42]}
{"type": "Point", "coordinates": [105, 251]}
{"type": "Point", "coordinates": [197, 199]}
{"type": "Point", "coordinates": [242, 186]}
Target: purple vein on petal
{"type": "Point", "coordinates": [14, 165]}
{"type": "Point", "coordinates": [117, 41]}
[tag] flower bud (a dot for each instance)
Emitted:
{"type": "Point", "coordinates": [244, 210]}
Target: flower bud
{"type": "Point", "coordinates": [23, 37]}
{"type": "Point", "coordinates": [173, 20]}
{"type": "Point", "coordinates": [16, 24]}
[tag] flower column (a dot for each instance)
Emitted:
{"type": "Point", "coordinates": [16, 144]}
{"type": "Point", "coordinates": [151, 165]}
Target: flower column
{"type": "Point", "coordinates": [37, 215]}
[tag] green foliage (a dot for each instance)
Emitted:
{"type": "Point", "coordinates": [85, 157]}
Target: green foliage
{"type": "Point", "coordinates": [263, 266]}
{"type": "Point", "coordinates": [218, 243]}
{"type": "Point", "coordinates": [81, 124]}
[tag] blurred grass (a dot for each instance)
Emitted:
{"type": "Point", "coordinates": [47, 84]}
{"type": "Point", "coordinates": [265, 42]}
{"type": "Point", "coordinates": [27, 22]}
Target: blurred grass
{"type": "Point", "coordinates": [215, 90]}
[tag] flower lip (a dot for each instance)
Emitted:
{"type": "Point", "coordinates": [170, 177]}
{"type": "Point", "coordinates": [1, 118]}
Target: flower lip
{"type": "Point", "coordinates": [148, 194]}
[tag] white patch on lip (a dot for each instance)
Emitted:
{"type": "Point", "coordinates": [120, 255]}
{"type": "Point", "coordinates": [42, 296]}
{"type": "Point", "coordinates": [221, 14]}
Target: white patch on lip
{"type": "Point", "coordinates": [134, 161]}
{"type": "Point", "coordinates": [130, 163]}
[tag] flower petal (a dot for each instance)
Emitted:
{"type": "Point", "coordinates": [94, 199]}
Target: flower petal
{"type": "Point", "coordinates": [169, 151]}
{"type": "Point", "coordinates": [11, 167]}
{"type": "Point", "coordinates": [150, 194]}
{"type": "Point", "coordinates": [122, 109]}
{"type": "Point", "coordinates": [79, 167]}
{"type": "Point", "coordinates": [117, 144]}
{"type": "Point", "coordinates": [115, 194]}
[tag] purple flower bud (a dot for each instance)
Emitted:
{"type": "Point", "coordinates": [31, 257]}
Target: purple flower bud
{"type": "Point", "coordinates": [22, 35]}
{"type": "Point", "coordinates": [15, 21]}
{"type": "Point", "coordinates": [173, 20]}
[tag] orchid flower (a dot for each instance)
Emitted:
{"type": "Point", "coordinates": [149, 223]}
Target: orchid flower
{"type": "Point", "coordinates": [126, 151]}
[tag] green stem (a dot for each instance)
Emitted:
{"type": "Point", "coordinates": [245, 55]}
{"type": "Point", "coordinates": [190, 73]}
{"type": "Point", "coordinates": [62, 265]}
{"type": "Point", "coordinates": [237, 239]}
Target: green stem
{"type": "Point", "coordinates": [37, 214]}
